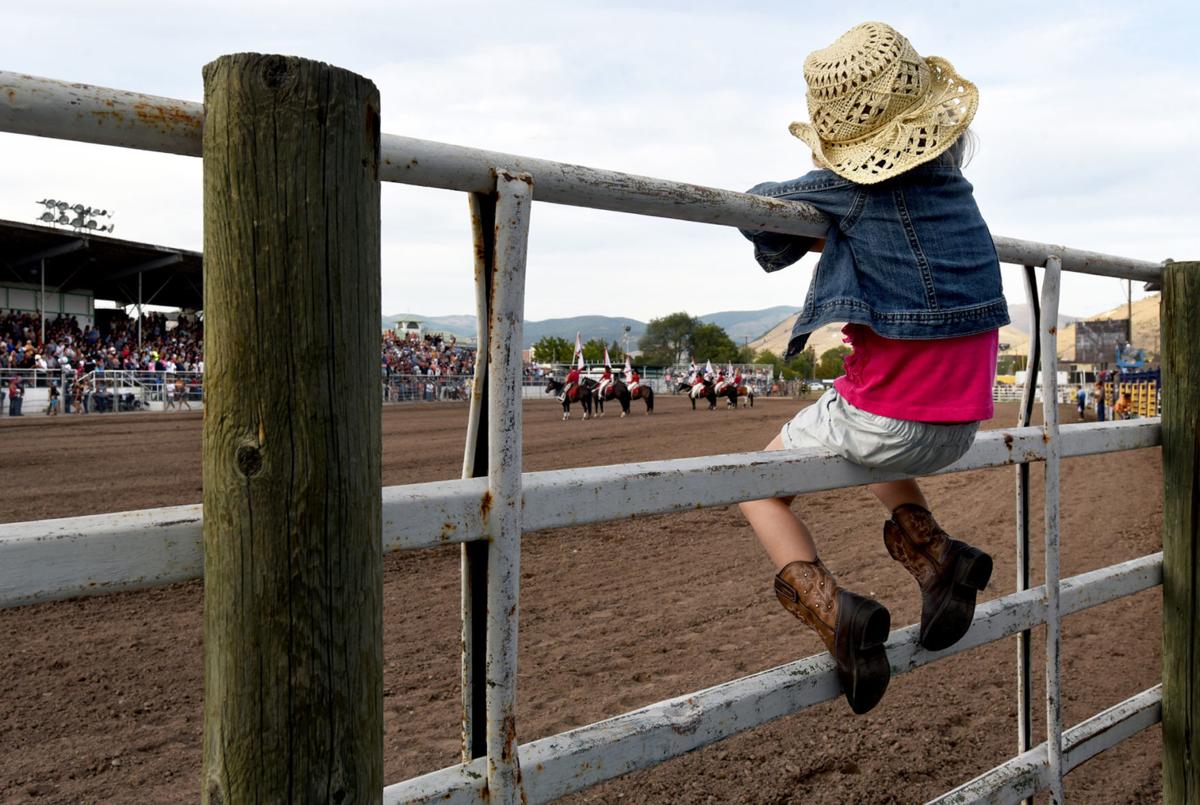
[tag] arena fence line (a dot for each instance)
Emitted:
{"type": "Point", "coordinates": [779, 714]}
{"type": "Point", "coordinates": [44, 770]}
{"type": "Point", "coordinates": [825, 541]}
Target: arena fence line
{"type": "Point", "coordinates": [103, 553]}
{"type": "Point", "coordinates": [495, 768]}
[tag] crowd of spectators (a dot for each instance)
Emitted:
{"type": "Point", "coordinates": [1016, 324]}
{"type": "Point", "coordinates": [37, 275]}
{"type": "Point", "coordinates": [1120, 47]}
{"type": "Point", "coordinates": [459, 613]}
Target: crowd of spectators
{"type": "Point", "coordinates": [70, 353]}
{"type": "Point", "coordinates": [114, 346]}
{"type": "Point", "coordinates": [430, 355]}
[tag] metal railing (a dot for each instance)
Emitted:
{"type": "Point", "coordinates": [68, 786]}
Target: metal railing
{"type": "Point", "coordinates": [488, 514]}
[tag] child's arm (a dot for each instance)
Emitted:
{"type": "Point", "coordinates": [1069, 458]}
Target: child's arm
{"type": "Point", "coordinates": [828, 193]}
{"type": "Point", "coordinates": [774, 251]}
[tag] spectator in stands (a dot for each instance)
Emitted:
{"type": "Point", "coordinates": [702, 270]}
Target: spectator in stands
{"type": "Point", "coordinates": [1123, 409]}
{"type": "Point", "coordinates": [52, 408]}
{"type": "Point", "coordinates": [16, 395]}
{"type": "Point", "coordinates": [181, 394]}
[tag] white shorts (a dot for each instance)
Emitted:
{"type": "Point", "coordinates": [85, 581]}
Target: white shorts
{"type": "Point", "coordinates": [914, 448]}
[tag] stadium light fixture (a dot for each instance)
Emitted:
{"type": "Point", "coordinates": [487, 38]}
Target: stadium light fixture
{"type": "Point", "coordinates": [84, 216]}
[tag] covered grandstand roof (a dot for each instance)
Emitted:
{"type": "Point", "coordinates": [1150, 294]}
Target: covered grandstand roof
{"type": "Point", "coordinates": [105, 266]}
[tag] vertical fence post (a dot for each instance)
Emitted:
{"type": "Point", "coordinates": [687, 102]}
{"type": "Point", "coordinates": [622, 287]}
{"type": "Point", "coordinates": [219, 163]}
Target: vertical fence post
{"type": "Point", "coordinates": [1024, 416]}
{"type": "Point", "coordinates": [1181, 525]}
{"type": "Point", "coordinates": [293, 634]}
{"type": "Point", "coordinates": [1051, 284]}
{"type": "Point", "coordinates": [505, 321]}
{"type": "Point", "coordinates": [474, 555]}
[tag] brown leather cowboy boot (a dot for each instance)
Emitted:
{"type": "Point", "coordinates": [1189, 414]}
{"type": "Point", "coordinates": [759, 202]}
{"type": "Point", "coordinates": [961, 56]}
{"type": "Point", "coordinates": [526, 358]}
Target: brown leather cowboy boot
{"type": "Point", "coordinates": [950, 573]}
{"type": "Point", "coordinates": [852, 627]}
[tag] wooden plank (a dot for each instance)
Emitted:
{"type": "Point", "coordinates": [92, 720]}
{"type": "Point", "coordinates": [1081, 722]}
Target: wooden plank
{"type": "Point", "coordinates": [293, 627]}
{"type": "Point", "coordinates": [1181, 525]}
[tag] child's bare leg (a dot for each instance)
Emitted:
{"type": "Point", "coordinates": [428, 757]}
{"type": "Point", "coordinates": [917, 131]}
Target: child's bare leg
{"type": "Point", "coordinates": [852, 627]}
{"type": "Point", "coordinates": [781, 533]}
{"type": "Point", "coordinates": [894, 494]}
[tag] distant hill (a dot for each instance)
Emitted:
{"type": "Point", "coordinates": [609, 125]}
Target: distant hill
{"type": "Point", "coordinates": [739, 324]}
{"type": "Point", "coordinates": [608, 328]}
{"type": "Point", "coordinates": [744, 324]}
{"type": "Point", "coordinates": [830, 336]}
{"type": "Point", "coordinates": [458, 326]}
{"type": "Point", "coordinates": [1020, 318]}
{"type": "Point", "coordinates": [1145, 328]}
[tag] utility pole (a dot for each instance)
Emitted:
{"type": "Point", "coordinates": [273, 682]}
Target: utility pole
{"type": "Point", "coordinates": [1129, 307]}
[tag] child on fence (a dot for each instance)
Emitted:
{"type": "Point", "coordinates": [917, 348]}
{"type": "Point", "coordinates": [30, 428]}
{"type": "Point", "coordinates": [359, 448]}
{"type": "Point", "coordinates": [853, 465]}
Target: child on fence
{"type": "Point", "coordinates": [908, 261]}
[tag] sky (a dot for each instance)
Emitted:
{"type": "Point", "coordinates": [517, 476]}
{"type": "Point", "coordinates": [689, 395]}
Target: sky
{"type": "Point", "coordinates": [1087, 127]}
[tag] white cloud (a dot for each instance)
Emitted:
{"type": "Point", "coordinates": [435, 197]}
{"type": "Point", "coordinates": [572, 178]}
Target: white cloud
{"type": "Point", "coordinates": [1087, 127]}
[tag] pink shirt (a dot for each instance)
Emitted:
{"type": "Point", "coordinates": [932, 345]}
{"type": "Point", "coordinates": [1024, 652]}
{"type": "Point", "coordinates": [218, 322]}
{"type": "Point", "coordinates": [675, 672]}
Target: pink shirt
{"type": "Point", "coordinates": [937, 380]}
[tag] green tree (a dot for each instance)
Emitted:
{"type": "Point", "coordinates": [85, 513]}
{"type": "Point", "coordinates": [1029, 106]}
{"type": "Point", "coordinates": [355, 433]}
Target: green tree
{"type": "Point", "coordinates": [552, 349]}
{"type": "Point", "coordinates": [745, 355]}
{"type": "Point", "coordinates": [615, 353]}
{"type": "Point", "coordinates": [593, 352]}
{"type": "Point", "coordinates": [804, 363]}
{"type": "Point", "coordinates": [830, 365]}
{"type": "Point", "coordinates": [668, 339]}
{"type": "Point", "coordinates": [711, 343]}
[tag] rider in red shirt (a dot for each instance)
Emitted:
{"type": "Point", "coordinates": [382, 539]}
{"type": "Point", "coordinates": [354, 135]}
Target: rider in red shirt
{"type": "Point", "coordinates": [572, 381]}
{"type": "Point", "coordinates": [606, 380]}
{"type": "Point", "coordinates": [634, 379]}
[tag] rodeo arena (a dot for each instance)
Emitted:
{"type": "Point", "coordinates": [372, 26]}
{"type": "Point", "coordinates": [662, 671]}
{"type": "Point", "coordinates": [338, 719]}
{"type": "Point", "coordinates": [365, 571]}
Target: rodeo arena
{"type": "Point", "coordinates": [248, 554]}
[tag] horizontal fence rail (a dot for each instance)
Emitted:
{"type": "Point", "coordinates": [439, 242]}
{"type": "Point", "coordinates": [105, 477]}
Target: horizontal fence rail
{"type": "Point", "coordinates": [48, 560]}
{"type": "Point", "coordinates": [81, 112]}
{"type": "Point", "coordinates": [1029, 772]}
{"type": "Point", "coordinates": [574, 760]}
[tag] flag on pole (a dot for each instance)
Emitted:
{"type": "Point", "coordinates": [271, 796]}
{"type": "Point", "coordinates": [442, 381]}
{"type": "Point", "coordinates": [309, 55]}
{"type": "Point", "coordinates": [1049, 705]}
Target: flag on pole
{"type": "Point", "coordinates": [628, 369]}
{"type": "Point", "coordinates": [579, 352]}
{"type": "Point", "coordinates": [708, 367]}
{"type": "Point", "coordinates": [729, 370]}
{"type": "Point", "coordinates": [607, 362]}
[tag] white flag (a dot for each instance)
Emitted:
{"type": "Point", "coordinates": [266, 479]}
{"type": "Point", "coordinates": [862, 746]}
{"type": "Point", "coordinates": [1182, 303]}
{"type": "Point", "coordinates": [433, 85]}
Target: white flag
{"type": "Point", "coordinates": [607, 363]}
{"type": "Point", "coordinates": [578, 352]}
{"type": "Point", "coordinates": [628, 370]}
{"type": "Point", "coordinates": [708, 367]}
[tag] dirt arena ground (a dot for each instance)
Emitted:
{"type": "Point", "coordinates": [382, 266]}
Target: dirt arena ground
{"type": "Point", "coordinates": [100, 698]}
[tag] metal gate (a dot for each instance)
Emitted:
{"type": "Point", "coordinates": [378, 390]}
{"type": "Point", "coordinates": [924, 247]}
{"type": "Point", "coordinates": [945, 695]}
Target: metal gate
{"type": "Point", "coordinates": [495, 502]}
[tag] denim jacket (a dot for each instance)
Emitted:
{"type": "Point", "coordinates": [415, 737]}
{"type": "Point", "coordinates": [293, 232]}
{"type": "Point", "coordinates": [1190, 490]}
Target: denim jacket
{"type": "Point", "coordinates": [910, 257]}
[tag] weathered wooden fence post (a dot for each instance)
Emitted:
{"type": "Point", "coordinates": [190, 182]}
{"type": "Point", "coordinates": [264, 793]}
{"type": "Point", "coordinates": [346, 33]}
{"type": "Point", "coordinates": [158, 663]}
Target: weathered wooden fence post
{"type": "Point", "coordinates": [293, 633]}
{"type": "Point", "coordinates": [1181, 527]}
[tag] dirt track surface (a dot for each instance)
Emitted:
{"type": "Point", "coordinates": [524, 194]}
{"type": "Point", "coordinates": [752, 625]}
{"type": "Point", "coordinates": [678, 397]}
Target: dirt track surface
{"type": "Point", "coordinates": [100, 698]}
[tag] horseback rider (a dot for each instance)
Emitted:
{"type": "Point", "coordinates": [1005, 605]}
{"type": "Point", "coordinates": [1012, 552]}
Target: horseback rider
{"type": "Point", "coordinates": [571, 382]}
{"type": "Point", "coordinates": [721, 382]}
{"type": "Point", "coordinates": [634, 379]}
{"type": "Point", "coordinates": [606, 380]}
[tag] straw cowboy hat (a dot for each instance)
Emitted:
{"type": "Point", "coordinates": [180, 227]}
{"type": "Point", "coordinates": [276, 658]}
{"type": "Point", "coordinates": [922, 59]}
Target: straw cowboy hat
{"type": "Point", "coordinates": [877, 108]}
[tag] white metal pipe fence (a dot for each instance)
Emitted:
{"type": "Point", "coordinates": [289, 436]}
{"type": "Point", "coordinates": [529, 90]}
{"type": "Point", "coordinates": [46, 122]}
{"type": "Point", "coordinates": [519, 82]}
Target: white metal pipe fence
{"type": "Point", "coordinates": [55, 559]}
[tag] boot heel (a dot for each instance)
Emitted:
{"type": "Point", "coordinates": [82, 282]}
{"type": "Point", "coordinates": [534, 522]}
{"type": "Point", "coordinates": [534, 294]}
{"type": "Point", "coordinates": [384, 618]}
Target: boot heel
{"type": "Point", "coordinates": [864, 624]}
{"type": "Point", "coordinates": [973, 569]}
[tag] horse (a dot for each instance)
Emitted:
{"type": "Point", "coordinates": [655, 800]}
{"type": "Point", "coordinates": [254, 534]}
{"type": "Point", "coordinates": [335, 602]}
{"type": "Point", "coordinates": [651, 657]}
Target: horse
{"type": "Point", "coordinates": [620, 392]}
{"type": "Point", "coordinates": [581, 393]}
{"type": "Point", "coordinates": [731, 393]}
{"type": "Point", "coordinates": [702, 389]}
{"type": "Point", "coordinates": [747, 392]}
